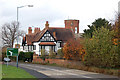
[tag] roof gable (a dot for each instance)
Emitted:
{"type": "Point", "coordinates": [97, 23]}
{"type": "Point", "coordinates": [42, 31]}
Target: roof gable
{"type": "Point", "coordinates": [47, 37]}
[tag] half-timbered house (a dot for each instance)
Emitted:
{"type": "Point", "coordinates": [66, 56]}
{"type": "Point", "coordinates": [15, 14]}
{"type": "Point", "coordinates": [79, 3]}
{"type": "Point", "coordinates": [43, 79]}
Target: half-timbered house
{"type": "Point", "coordinates": [50, 38]}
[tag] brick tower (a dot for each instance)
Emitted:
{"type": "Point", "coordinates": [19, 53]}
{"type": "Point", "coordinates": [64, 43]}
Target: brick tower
{"type": "Point", "coordinates": [72, 24]}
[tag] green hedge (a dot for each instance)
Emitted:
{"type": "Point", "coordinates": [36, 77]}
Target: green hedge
{"type": "Point", "coordinates": [23, 56]}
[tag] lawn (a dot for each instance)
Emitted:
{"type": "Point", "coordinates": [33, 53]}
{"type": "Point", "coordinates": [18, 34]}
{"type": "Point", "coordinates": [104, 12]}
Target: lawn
{"type": "Point", "coordinates": [13, 72]}
{"type": "Point", "coordinates": [0, 71]}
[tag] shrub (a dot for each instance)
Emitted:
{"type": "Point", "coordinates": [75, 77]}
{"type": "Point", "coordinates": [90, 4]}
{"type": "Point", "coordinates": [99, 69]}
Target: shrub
{"type": "Point", "coordinates": [21, 56]}
{"type": "Point", "coordinates": [73, 50]}
{"type": "Point", "coordinates": [29, 56]}
{"type": "Point", "coordinates": [26, 56]}
{"type": "Point", "coordinates": [43, 54]}
{"type": "Point", "coordinates": [60, 53]}
{"type": "Point", "coordinates": [52, 54]}
{"type": "Point", "coordinates": [101, 51]}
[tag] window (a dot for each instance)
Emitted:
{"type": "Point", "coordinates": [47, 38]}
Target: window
{"type": "Point", "coordinates": [71, 23]}
{"type": "Point", "coordinates": [75, 29]}
{"type": "Point", "coordinates": [30, 48]}
{"type": "Point", "coordinates": [23, 48]}
{"type": "Point", "coordinates": [45, 35]}
{"type": "Point", "coordinates": [34, 47]}
{"type": "Point", "coordinates": [60, 44]}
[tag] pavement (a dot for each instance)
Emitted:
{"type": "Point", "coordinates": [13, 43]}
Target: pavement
{"type": "Point", "coordinates": [59, 73]}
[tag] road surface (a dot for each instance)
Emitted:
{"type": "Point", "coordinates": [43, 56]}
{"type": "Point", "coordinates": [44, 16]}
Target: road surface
{"type": "Point", "coordinates": [45, 71]}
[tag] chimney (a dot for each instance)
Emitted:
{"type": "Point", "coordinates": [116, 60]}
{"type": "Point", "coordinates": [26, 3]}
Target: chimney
{"type": "Point", "coordinates": [36, 30]}
{"type": "Point", "coordinates": [29, 30]}
{"type": "Point", "coordinates": [39, 29]}
{"type": "Point", "coordinates": [46, 25]}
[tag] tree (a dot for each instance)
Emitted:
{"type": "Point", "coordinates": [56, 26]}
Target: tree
{"type": "Point", "coordinates": [100, 49]}
{"type": "Point", "coordinates": [97, 23]}
{"type": "Point", "coordinates": [73, 50]}
{"type": "Point", "coordinates": [116, 28]}
{"type": "Point", "coordinates": [10, 32]}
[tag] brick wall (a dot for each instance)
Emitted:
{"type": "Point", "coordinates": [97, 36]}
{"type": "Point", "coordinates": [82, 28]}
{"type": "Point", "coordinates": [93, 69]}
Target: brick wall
{"type": "Point", "coordinates": [57, 61]}
{"type": "Point", "coordinates": [76, 65]}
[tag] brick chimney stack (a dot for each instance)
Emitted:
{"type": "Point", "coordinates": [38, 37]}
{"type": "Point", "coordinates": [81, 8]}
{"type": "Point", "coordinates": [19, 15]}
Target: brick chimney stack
{"type": "Point", "coordinates": [29, 30]}
{"type": "Point", "coordinates": [36, 30]}
{"type": "Point", "coordinates": [47, 24]}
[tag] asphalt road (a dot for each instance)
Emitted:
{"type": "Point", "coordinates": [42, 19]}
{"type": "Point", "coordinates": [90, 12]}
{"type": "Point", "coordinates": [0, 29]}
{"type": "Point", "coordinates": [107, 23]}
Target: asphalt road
{"type": "Point", "coordinates": [60, 73]}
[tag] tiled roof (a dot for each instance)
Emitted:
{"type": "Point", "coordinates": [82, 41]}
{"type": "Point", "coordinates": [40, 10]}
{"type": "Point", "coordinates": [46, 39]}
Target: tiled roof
{"type": "Point", "coordinates": [61, 34]}
{"type": "Point", "coordinates": [47, 43]}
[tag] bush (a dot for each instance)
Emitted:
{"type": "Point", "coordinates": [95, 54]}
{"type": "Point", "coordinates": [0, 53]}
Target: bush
{"type": "Point", "coordinates": [73, 49]}
{"type": "Point", "coordinates": [52, 54]}
{"type": "Point", "coordinates": [21, 56]}
{"type": "Point", "coordinates": [101, 51]}
{"type": "Point", "coordinates": [60, 53]}
{"type": "Point", "coordinates": [26, 56]}
{"type": "Point", "coordinates": [43, 54]}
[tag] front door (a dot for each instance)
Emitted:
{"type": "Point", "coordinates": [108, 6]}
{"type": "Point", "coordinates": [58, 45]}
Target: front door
{"type": "Point", "coordinates": [47, 49]}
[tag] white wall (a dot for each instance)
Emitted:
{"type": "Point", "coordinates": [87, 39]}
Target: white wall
{"type": "Point", "coordinates": [37, 48]}
{"type": "Point", "coordinates": [57, 47]}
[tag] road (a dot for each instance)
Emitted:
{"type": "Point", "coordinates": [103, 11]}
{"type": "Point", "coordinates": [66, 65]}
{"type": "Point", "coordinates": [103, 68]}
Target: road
{"type": "Point", "coordinates": [45, 71]}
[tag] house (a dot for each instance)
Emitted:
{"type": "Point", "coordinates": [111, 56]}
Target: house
{"type": "Point", "coordinates": [50, 38]}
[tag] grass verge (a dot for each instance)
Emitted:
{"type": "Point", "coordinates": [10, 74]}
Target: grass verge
{"type": "Point", "coordinates": [13, 72]}
{"type": "Point", "coordinates": [0, 71]}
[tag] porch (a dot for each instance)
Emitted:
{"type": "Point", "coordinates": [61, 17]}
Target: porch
{"type": "Point", "coordinates": [46, 47]}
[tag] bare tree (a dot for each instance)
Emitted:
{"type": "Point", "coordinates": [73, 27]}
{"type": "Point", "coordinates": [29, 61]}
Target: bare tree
{"type": "Point", "coordinates": [10, 32]}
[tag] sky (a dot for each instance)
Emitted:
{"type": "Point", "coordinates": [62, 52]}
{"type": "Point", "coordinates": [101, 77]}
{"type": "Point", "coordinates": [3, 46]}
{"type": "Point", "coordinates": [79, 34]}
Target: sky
{"type": "Point", "coordinates": [56, 11]}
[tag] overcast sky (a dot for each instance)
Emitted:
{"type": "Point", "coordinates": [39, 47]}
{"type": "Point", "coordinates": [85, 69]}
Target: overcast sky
{"type": "Point", "coordinates": [56, 11]}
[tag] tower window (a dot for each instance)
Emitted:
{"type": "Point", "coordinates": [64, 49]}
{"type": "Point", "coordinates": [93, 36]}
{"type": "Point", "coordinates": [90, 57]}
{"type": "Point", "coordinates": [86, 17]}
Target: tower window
{"type": "Point", "coordinates": [71, 23]}
{"type": "Point", "coordinates": [75, 29]}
